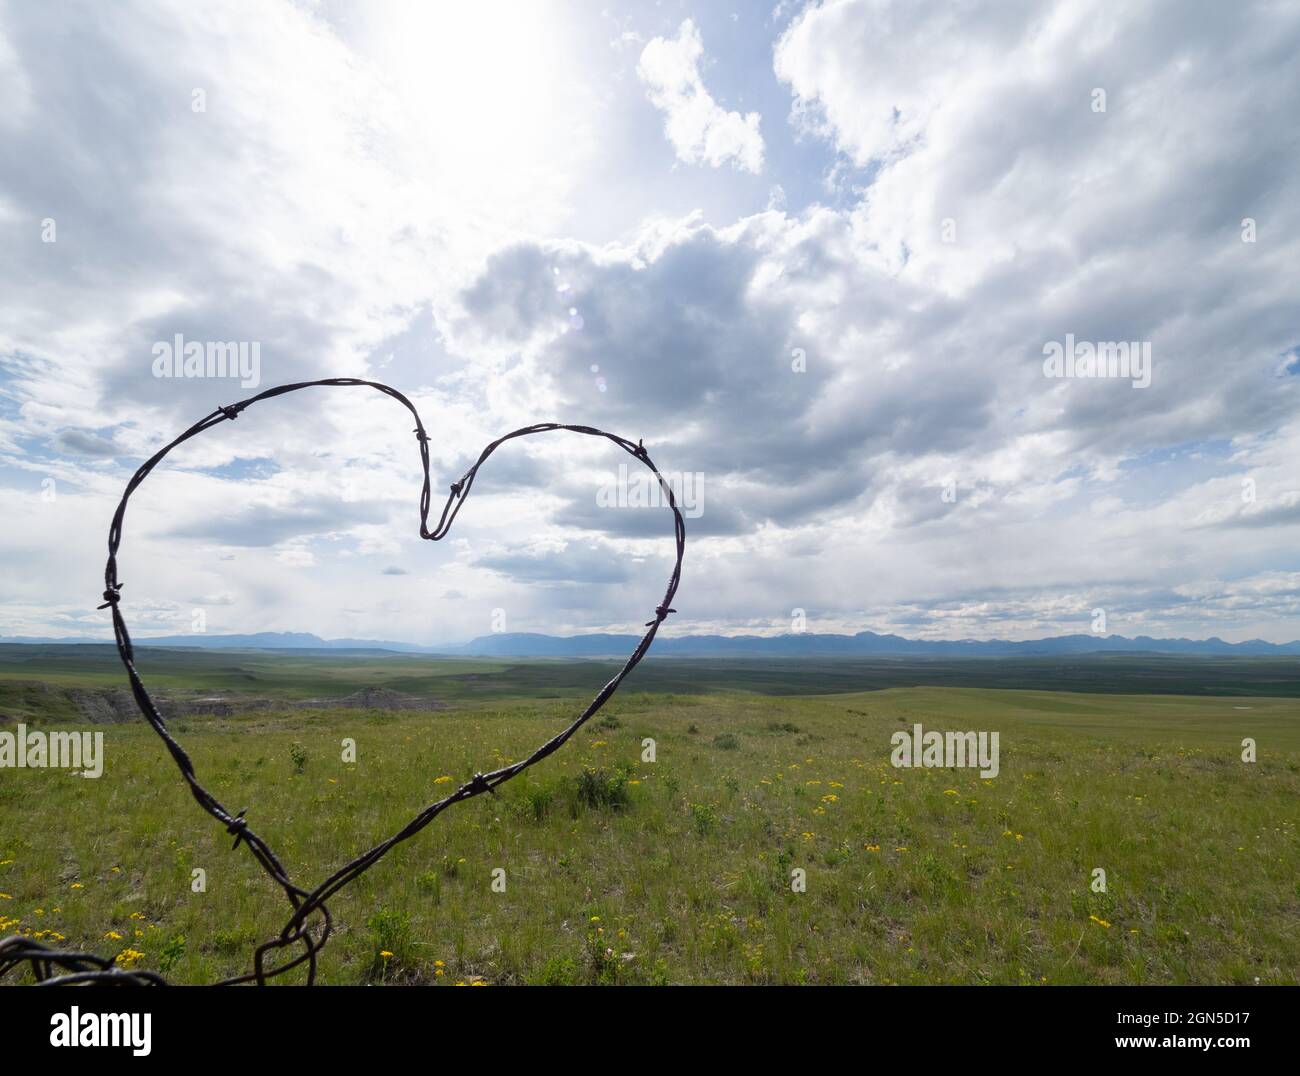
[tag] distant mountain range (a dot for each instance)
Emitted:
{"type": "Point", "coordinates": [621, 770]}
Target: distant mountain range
{"type": "Point", "coordinates": [863, 644]}
{"type": "Point", "coordinates": [262, 640]}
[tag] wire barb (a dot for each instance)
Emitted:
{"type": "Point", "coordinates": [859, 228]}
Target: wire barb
{"type": "Point", "coordinates": [237, 826]}
{"type": "Point", "coordinates": [661, 614]}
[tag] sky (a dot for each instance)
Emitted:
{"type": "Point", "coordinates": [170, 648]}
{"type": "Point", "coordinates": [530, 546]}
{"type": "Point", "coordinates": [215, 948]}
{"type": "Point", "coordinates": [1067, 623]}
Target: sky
{"type": "Point", "coordinates": [818, 256]}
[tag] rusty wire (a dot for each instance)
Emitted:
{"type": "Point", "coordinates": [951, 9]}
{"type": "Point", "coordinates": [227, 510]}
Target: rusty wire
{"type": "Point", "coordinates": [301, 929]}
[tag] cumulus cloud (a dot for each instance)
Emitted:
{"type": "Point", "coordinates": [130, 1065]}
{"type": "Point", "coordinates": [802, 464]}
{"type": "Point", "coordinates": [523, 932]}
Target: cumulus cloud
{"type": "Point", "coordinates": [875, 73]}
{"type": "Point", "coordinates": [860, 385]}
{"type": "Point", "coordinates": [559, 563]}
{"type": "Point", "coordinates": [924, 353]}
{"type": "Point", "coordinates": [84, 443]}
{"type": "Point", "coordinates": [700, 130]}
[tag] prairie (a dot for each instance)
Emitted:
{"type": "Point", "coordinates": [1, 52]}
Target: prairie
{"type": "Point", "coordinates": [685, 869]}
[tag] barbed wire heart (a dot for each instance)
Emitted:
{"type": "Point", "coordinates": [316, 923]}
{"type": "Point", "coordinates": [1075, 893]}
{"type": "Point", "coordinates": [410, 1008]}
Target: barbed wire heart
{"type": "Point", "coordinates": [84, 967]}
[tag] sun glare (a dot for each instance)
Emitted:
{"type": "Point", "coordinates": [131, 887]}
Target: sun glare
{"type": "Point", "coordinates": [490, 95]}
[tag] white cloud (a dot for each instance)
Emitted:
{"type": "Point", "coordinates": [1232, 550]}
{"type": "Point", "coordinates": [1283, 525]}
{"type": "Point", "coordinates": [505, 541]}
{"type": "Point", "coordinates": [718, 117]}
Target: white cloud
{"type": "Point", "coordinates": [874, 73]}
{"type": "Point", "coordinates": [366, 201]}
{"type": "Point", "coordinates": [700, 130]}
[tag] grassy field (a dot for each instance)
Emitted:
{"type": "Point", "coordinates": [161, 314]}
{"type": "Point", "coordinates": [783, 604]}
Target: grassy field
{"type": "Point", "coordinates": [44, 682]}
{"type": "Point", "coordinates": [680, 870]}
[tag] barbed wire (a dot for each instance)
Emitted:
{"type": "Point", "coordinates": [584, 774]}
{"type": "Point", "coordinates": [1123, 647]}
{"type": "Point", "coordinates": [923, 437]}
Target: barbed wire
{"type": "Point", "coordinates": [310, 923]}
{"type": "Point", "coordinates": [79, 967]}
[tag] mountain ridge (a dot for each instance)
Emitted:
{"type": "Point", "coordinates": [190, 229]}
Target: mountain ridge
{"type": "Point", "coordinates": [861, 644]}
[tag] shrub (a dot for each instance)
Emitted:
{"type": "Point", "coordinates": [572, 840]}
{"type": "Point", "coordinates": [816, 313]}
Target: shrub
{"type": "Point", "coordinates": [599, 788]}
{"type": "Point", "coordinates": [704, 816]}
{"type": "Point", "coordinates": [602, 961]}
{"type": "Point", "coordinates": [391, 934]}
{"type": "Point", "coordinates": [171, 953]}
{"type": "Point", "coordinates": [532, 801]}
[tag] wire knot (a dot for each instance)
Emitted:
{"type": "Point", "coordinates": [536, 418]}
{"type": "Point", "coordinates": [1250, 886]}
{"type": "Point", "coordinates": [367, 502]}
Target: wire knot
{"type": "Point", "coordinates": [112, 596]}
{"type": "Point", "coordinates": [237, 826]}
{"type": "Point", "coordinates": [231, 411]}
{"type": "Point", "coordinates": [479, 783]}
{"type": "Point", "coordinates": [420, 435]}
{"type": "Point", "coordinates": [640, 452]}
{"type": "Point", "coordinates": [661, 614]}
{"type": "Point", "coordinates": [456, 487]}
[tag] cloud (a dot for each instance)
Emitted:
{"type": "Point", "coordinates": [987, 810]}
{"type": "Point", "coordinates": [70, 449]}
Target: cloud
{"type": "Point", "coordinates": [924, 357]}
{"type": "Point", "coordinates": [874, 75]}
{"type": "Point", "coordinates": [859, 384]}
{"type": "Point", "coordinates": [700, 130]}
{"type": "Point", "coordinates": [84, 443]}
{"type": "Point", "coordinates": [270, 525]}
{"type": "Point", "coordinates": [1283, 511]}
{"type": "Point", "coordinates": [568, 562]}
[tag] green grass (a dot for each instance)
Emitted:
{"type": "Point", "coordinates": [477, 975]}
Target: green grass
{"type": "Point", "coordinates": [281, 674]}
{"type": "Point", "coordinates": [290, 674]}
{"type": "Point", "coordinates": [679, 871]}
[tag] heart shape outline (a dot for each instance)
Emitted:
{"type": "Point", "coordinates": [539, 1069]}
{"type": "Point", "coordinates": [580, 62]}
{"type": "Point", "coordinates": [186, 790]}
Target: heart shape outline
{"type": "Point", "coordinates": [307, 903]}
